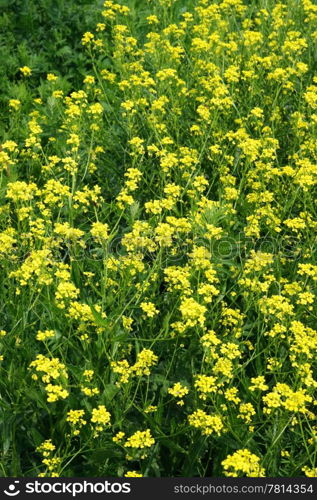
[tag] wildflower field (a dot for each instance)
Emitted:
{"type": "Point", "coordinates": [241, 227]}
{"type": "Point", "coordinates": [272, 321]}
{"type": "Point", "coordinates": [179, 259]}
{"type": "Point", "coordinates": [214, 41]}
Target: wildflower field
{"type": "Point", "coordinates": [158, 230]}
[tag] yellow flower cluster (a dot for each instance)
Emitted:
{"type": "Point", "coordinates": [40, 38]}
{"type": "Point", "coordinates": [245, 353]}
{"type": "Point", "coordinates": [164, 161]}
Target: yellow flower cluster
{"type": "Point", "coordinates": [51, 462]}
{"type": "Point", "coordinates": [75, 418]}
{"type": "Point", "coordinates": [145, 360]}
{"type": "Point", "coordinates": [208, 424]}
{"type": "Point", "coordinates": [157, 224]}
{"type": "Point", "coordinates": [140, 440]}
{"type": "Point", "coordinates": [51, 369]}
{"type": "Point", "coordinates": [101, 418]}
{"type": "Point", "coordinates": [243, 463]}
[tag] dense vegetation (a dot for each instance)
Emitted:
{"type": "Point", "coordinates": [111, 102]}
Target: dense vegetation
{"type": "Point", "coordinates": [158, 238]}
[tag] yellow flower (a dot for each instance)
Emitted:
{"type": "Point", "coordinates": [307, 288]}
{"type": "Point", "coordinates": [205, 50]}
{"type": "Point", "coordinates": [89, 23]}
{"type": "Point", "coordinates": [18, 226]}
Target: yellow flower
{"type": "Point", "coordinates": [205, 385]}
{"type": "Point", "coordinates": [310, 472]}
{"type": "Point", "coordinates": [208, 424]}
{"type": "Point", "coordinates": [178, 390]}
{"type": "Point", "coordinates": [55, 392]}
{"type": "Point", "coordinates": [258, 383]}
{"type": "Point", "coordinates": [152, 19]}
{"type": "Point", "coordinates": [246, 412]}
{"type": "Point", "coordinates": [100, 231]}
{"type": "Point", "coordinates": [51, 77]}
{"type": "Point", "coordinates": [100, 417]}
{"type": "Point", "coordinates": [192, 312]}
{"type": "Point", "coordinates": [243, 463]}
{"type": "Point", "coordinates": [149, 309]}
{"type": "Point", "coordinates": [46, 447]}
{"type": "Point", "coordinates": [89, 391]}
{"type": "Point", "coordinates": [88, 374]}
{"type": "Point", "coordinates": [133, 473]}
{"type": "Point", "coordinates": [75, 418]}
{"type": "Point", "coordinates": [140, 439]}
{"type": "Point", "coordinates": [123, 369]}
{"type": "Point", "coordinates": [87, 38]}
{"type": "Point", "coordinates": [145, 360]}
{"type": "Point", "coordinates": [89, 80]}
{"type": "Point", "coordinates": [118, 437]}
{"type": "Point", "coordinates": [14, 104]}
{"type": "Point", "coordinates": [26, 71]}
{"type": "Point", "coordinates": [150, 409]}
{"type": "Point", "coordinates": [46, 334]}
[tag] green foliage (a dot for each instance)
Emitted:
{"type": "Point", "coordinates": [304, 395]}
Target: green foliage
{"type": "Point", "coordinates": [157, 238]}
{"type": "Point", "coordinates": [44, 35]}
